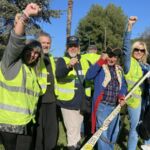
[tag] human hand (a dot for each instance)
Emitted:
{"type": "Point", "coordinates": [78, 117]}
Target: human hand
{"type": "Point", "coordinates": [32, 9]}
{"type": "Point", "coordinates": [131, 21]}
{"type": "Point", "coordinates": [73, 61]}
{"type": "Point", "coordinates": [103, 59]}
{"type": "Point", "coordinates": [122, 101]}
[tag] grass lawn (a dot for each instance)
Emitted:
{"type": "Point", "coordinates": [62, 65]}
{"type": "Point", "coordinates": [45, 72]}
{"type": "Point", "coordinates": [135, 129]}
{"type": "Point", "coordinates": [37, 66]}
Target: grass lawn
{"type": "Point", "coordinates": [1, 147]}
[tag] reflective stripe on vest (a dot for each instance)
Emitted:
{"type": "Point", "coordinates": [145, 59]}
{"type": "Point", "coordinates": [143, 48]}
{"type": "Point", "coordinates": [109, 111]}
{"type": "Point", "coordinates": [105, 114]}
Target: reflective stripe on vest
{"type": "Point", "coordinates": [20, 89]}
{"type": "Point", "coordinates": [132, 77]}
{"type": "Point", "coordinates": [66, 87]}
{"type": "Point", "coordinates": [136, 96]}
{"type": "Point", "coordinates": [19, 97]}
{"type": "Point", "coordinates": [42, 76]}
{"type": "Point", "coordinates": [15, 109]}
{"type": "Point", "coordinates": [67, 91]}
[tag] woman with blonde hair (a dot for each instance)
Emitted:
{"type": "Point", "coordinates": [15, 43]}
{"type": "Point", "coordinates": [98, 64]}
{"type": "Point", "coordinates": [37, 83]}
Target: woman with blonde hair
{"type": "Point", "coordinates": [140, 46]}
{"type": "Point", "coordinates": [135, 66]}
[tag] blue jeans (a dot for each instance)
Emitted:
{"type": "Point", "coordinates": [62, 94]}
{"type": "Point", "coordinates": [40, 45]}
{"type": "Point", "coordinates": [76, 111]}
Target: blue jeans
{"type": "Point", "coordinates": [134, 116]}
{"type": "Point", "coordinates": [108, 137]}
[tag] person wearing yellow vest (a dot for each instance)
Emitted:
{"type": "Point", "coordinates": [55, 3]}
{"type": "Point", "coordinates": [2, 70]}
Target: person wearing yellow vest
{"type": "Point", "coordinates": [92, 57]}
{"type": "Point", "coordinates": [69, 70]}
{"type": "Point", "coordinates": [46, 127]}
{"type": "Point", "coordinates": [134, 60]}
{"type": "Point", "coordinates": [91, 54]}
{"type": "Point", "coordinates": [18, 85]}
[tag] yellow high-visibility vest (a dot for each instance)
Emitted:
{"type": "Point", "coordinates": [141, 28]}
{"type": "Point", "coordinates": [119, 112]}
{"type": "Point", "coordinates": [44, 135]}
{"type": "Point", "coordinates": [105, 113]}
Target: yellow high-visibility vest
{"type": "Point", "coordinates": [66, 86]}
{"type": "Point", "coordinates": [42, 75]}
{"type": "Point", "coordinates": [91, 57]}
{"type": "Point", "coordinates": [19, 97]}
{"type": "Point", "coordinates": [132, 77]}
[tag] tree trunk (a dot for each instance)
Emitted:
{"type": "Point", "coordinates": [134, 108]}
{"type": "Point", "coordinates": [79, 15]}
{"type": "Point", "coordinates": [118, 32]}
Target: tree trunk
{"type": "Point", "coordinates": [69, 17]}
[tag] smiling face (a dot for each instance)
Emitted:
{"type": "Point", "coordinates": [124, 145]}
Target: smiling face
{"type": "Point", "coordinates": [139, 51]}
{"type": "Point", "coordinates": [46, 43]}
{"type": "Point", "coordinates": [32, 52]}
{"type": "Point", "coordinates": [112, 60]}
{"type": "Point", "coordinates": [113, 55]}
{"type": "Point", "coordinates": [31, 57]}
{"type": "Point", "coordinates": [73, 50]}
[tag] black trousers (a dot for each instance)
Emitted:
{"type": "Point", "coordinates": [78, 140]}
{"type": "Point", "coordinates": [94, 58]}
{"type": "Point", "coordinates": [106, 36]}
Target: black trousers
{"type": "Point", "coordinates": [46, 131]}
{"type": "Point", "coordinates": [9, 140]}
{"type": "Point", "coordinates": [12, 141]}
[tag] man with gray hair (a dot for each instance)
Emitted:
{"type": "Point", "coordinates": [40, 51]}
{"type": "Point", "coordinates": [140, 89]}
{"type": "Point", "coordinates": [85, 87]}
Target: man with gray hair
{"type": "Point", "coordinates": [46, 129]}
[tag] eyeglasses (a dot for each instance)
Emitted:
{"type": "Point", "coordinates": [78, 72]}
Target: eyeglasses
{"type": "Point", "coordinates": [139, 50]}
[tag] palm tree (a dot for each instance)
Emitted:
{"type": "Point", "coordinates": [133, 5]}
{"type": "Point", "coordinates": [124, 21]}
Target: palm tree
{"type": "Point", "coordinates": [69, 17]}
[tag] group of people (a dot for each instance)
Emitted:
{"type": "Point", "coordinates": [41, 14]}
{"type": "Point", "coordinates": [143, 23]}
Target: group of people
{"type": "Point", "coordinates": [32, 85]}
{"type": "Point", "coordinates": [27, 79]}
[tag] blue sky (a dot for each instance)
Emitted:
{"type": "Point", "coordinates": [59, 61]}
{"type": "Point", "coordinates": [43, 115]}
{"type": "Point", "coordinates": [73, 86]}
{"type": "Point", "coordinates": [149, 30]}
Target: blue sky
{"type": "Point", "coordinates": [57, 28]}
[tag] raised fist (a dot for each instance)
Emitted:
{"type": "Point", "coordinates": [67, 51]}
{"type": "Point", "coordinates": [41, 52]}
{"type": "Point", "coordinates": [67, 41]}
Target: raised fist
{"type": "Point", "coordinates": [132, 19]}
{"type": "Point", "coordinates": [32, 9]}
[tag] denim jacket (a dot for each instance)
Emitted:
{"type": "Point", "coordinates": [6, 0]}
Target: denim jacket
{"type": "Point", "coordinates": [145, 68]}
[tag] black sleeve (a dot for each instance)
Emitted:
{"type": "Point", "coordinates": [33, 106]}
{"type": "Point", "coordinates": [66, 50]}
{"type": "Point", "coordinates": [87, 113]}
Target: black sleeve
{"type": "Point", "coordinates": [61, 68]}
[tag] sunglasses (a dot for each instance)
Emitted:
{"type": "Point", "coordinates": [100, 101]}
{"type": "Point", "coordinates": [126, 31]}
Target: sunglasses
{"type": "Point", "coordinates": [139, 50]}
{"type": "Point", "coordinates": [72, 45]}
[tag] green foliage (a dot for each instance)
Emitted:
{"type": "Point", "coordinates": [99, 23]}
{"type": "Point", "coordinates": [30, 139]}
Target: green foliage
{"type": "Point", "coordinates": [102, 26]}
{"type": "Point", "coordinates": [146, 38]}
{"type": "Point", "coordinates": [9, 8]}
